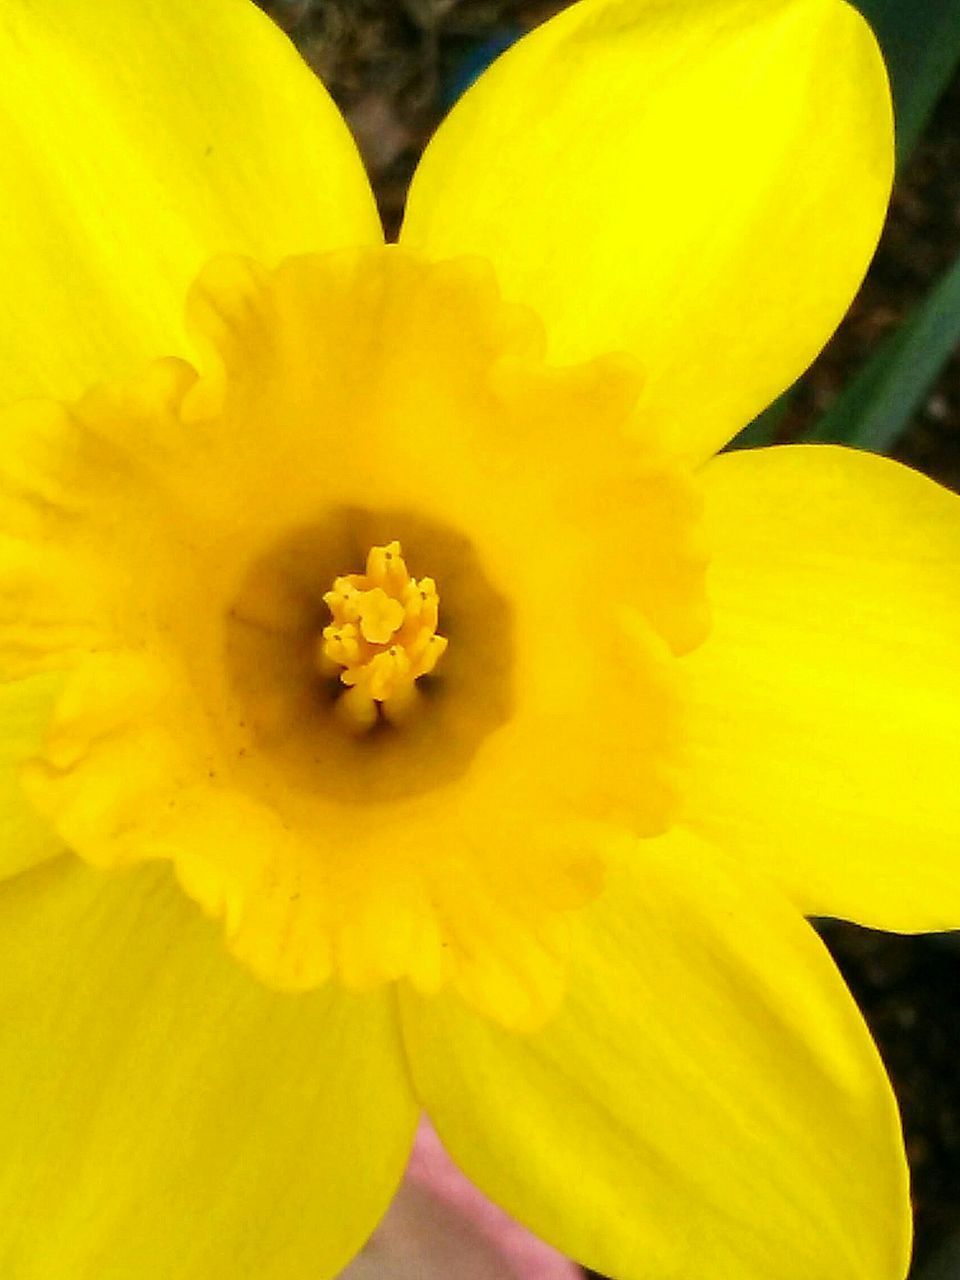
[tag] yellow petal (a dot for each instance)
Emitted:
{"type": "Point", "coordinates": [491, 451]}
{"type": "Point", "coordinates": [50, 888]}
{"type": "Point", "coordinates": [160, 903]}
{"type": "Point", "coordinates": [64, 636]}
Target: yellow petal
{"type": "Point", "coordinates": [136, 141]}
{"type": "Point", "coordinates": [701, 185]}
{"type": "Point", "coordinates": [824, 710]}
{"type": "Point", "coordinates": [163, 1114]}
{"type": "Point", "coordinates": [25, 710]}
{"type": "Point", "coordinates": [707, 1103]}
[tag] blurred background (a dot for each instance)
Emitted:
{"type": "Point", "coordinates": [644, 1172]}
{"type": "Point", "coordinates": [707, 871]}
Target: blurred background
{"type": "Point", "coordinates": [889, 381]}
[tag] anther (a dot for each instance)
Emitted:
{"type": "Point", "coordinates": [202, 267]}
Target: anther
{"type": "Point", "coordinates": [382, 637]}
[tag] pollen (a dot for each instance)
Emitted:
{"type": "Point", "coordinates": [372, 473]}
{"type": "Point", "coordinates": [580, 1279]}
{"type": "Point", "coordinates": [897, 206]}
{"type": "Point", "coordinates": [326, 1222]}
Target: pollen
{"type": "Point", "coordinates": [381, 639]}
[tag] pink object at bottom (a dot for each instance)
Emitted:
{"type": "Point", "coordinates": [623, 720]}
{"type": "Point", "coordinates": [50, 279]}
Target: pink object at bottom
{"type": "Point", "coordinates": [440, 1227]}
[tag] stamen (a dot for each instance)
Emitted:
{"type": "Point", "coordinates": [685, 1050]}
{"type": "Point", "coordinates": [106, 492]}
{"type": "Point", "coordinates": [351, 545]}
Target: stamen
{"type": "Point", "coordinates": [383, 635]}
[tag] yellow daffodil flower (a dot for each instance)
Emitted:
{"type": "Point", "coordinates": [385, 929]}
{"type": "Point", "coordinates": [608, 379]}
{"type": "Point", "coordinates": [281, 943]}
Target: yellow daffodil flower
{"type": "Point", "coordinates": [403, 708]}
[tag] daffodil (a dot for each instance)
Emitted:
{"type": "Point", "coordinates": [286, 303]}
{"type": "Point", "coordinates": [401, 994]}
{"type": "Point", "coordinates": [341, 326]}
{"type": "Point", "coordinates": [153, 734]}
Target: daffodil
{"type": "Point", "coordinates": [404, 709]}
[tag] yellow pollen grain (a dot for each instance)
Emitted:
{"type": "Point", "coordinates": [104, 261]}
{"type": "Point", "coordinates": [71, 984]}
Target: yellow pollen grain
{"type": "Point", "coordinates": [381, 638]}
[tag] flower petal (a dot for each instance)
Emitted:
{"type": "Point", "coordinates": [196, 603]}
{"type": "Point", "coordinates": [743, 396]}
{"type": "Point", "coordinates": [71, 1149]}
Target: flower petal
{"type": "Point", "coordinates": [25, 709]}
{"type": "Point", "coordinates": [824, 710]}
{"type": "Point", "coordinates": [136, 141]}
{"type": "Point", "coordinates": [701, 185]}
{"type": "Point", "coordinates": [162, 1113]}
{"type": "Point", "coordinates": [707, 1102]}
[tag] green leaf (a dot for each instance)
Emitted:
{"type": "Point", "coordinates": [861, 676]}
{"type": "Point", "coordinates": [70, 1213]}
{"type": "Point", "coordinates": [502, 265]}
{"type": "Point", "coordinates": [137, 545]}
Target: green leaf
{"type": "Point", "coordinates": [921, 43]}
{"type": "Point", "coordinates": [876, 406]}
{"type": "Point", "coordinates": [763, 429]}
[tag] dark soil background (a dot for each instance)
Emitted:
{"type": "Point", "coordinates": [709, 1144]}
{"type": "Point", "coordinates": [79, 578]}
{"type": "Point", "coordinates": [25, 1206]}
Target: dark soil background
{"type": "Point", "coordinates": [394, 67]}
